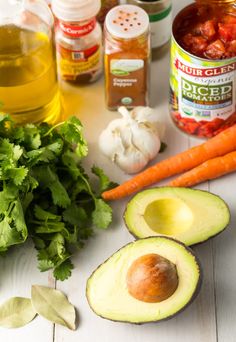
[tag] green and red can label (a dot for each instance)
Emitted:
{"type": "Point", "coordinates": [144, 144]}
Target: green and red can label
{"type": "Point", "coordinates": [203, 92]}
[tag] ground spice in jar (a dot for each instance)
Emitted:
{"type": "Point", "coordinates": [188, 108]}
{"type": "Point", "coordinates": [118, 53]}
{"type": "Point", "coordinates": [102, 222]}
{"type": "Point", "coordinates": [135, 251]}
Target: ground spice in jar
{"type": "Point", "coordinates": [127, 57]}
{"type": "Point", "coordinates": [78, 40]}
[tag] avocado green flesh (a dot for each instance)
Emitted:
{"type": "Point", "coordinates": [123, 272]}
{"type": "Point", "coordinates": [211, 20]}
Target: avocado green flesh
{"type": "Point", "coordinates": [191, 216]}
{"type": "Point", "coordinates": [107, 291]}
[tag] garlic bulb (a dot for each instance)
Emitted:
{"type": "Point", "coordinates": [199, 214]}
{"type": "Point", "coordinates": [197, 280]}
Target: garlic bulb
{"type": "Point", "coordinates": [132, 141]}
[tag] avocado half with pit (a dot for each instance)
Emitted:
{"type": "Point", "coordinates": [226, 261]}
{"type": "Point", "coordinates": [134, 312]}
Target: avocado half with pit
{"type": "Point", "coordinates": [148, 280]}
{"type": "Point", "coordinates": [188, 215]}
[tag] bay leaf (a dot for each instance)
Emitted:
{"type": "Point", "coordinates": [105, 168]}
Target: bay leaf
{"type": "Point", "coordinates": [16, 312]}
{"type": "Point", "coordinates": [53, 305]}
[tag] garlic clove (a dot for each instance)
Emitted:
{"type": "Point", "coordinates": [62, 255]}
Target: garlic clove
{"type": "Point", "coordinates": [126, 135]}
{"type": "Point", "coordinates": [132, 161]}
{"type": "Point", "coordinates": [146, 141]}
{"type": "Point", "coordinates": [125, 113]}
{"type": "Point", "coordinates": [110, 143]}
{"type": "Point", "coordinates": [148, 116]}
{"type": "Point", "coordinates": [144, 114]}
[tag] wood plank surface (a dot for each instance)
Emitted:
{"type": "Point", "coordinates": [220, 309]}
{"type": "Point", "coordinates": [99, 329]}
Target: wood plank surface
{"type": "Point", "coordinates": [18, 271]}
{"type": "Point", "coordinates": [224, 262]}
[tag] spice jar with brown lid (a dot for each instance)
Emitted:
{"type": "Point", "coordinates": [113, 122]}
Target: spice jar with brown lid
{"type": "Point", "coordinates": [78, 40]}
{"type": "Point", "coordinates": [127, 57]}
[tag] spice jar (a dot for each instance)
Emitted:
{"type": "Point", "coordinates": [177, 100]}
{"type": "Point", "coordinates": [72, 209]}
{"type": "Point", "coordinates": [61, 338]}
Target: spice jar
{"type": "Point", "coordinates": [127, 57]}
{"type": "Point", "coordinates": [107, 5]}
{"type": "Point", "coordinates": [203, 67]}
{"type": "Point", "coordinates": [160, 16]}
{"type": "Point", "coordinates": [78, 40]}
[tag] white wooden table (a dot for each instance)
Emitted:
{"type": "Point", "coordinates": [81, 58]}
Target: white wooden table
{"type": "Point", "coordinates": [211, 318]}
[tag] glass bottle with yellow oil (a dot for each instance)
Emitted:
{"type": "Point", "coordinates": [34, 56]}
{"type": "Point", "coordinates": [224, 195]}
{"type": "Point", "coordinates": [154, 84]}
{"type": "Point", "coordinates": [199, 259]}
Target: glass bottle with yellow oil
{"type": "Point", "coordinates": [28, 80]}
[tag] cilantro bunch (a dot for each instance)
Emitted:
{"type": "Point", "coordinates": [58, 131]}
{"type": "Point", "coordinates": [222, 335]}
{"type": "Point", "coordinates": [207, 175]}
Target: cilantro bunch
{"type": "Point", "coordinates": [45, 193]}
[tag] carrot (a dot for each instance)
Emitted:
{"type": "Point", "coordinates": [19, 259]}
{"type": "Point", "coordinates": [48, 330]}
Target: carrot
{"type": "Point", "coordinates": [219, 145]}
{"type": "Point", "coordinates": [211, 169]}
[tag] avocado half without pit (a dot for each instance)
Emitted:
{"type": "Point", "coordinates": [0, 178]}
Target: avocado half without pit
{"type": "Point", "coordinates": [146, 281]}
{"type": "Point", "coordinates": [188, 215]}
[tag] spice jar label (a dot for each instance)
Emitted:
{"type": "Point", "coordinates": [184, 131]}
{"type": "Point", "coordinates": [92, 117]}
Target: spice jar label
{"type": "Point", "coordinates": [202, 89]}
{"type": "Point", "coordinates": [127, 78]}
{"type": "Point", "coordinates": [77, 31]}
{"type": "Point", "coordinates": [78, 64]}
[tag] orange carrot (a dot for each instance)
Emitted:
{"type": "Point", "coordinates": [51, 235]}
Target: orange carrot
{"type": "Point", "coordinates": [219, 145]}
{"type": "Point", "coordinates": [211, 169]}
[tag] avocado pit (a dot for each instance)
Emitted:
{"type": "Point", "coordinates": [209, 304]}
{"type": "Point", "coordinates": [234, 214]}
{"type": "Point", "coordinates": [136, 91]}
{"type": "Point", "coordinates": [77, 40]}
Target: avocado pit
{"type": "Point", "coordinates": [152, 278]}
{"type": "Point", "coordinates": [168, 216]}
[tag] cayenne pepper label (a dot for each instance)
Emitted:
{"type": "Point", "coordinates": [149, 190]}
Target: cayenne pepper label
{"type": "Point", "coordinates": [76, 31]}
{"type": "Point", "coordinates": [127, 81]}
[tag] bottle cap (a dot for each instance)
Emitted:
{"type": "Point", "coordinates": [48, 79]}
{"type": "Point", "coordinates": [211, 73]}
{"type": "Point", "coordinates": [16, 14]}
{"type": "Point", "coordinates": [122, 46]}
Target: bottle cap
{"type": "Point", "coordinates": [127, 21]}
{"type": "Point", "coordinates": [75, 10]}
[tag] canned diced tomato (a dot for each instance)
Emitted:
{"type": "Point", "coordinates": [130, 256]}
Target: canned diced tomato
{"type": "Point", "coordinates": [203, 67]}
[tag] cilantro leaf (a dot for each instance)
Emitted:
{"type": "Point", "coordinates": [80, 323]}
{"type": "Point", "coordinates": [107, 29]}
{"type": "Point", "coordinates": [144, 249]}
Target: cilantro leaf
{"type": "Point", "coordinates": [49, 179]}
{"type": "Point", "coordinates": [8, 236]}
{"type": "Point", "coordinates": [63, 271]}
{"type": "Point", "coordinates": [44, 215]}
{"type": "Point", "coordinates": [71, 130]}
{"type": "Point", "coordinates": [102, 215]}
{"type": "Point", "coordinates": [44, 264]}
{"type": "Point", "coordinates": [16, 174]}
{"type": "Point", "coordinates": [70, 161]}
{"type": "Point", "coordinates": [32, 138]}
{"type": "Point", "coordinates": [54, 255]}
{"type": "Point", "coordinates": [105, 183]}
{"type": "Point", "coordinates": [18, 219]}
{"type": "Point", "coordinates": [75, 215]}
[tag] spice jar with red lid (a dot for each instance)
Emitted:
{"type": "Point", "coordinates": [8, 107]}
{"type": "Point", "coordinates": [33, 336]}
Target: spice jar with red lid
{"type": "Point", "coordinates": [78, 40]}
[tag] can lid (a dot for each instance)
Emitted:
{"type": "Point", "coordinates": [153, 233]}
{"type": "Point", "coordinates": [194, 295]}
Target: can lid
{"type": "Point", "coordinates": [75, 10]}
{"type": "Point", "coordinates": [127, 21]}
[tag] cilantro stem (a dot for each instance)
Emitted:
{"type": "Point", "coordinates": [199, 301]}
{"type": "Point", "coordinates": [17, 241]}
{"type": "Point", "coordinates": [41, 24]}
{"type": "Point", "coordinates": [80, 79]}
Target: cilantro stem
{"type": "Point", "coordinates": [88, 187]}
{"type": "Point", "coordinates": [53, 128]}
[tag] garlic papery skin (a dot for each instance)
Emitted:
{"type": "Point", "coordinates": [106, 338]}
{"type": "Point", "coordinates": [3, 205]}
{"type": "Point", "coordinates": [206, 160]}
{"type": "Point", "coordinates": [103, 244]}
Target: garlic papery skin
{"type": "Point", "coordinates": [132, 161]}
{"type": "Point", "coordinates": [132, 141]}
{"type": "Point", "coordinates": [146, 141]}
{"type": "Point", "coordinates": [148, 117]}
{"type": "Point", "coordinates": [110, 142]}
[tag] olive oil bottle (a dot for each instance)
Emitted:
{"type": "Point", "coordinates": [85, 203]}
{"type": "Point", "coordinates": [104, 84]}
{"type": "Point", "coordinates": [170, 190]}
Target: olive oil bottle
{"type": "Point", "coordinates": [28, 81]}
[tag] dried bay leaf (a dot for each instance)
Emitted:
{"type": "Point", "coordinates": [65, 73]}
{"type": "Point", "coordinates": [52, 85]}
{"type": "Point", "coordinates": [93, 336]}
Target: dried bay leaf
{"type": "Point", "coordinates": [16, 312]}
{"type": "Point", "coordinates": [53, 305]}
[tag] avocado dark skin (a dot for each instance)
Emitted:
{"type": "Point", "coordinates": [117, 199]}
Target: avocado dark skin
{"type": "Point", "coordinates": [194, 296]}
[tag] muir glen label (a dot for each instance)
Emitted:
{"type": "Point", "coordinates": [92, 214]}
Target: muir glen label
{"type": "Point", "coordinates": [202, 89]}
